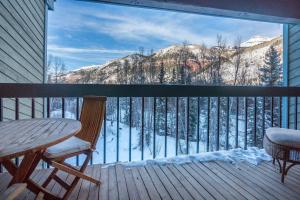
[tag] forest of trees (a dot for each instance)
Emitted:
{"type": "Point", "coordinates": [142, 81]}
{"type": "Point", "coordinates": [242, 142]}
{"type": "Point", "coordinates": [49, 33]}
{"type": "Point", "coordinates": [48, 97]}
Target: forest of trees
{"type": "Point", "coordinates": [187, 68]}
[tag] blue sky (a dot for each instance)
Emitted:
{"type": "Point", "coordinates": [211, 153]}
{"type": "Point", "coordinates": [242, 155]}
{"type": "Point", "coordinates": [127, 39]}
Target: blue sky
{"type": "Point", "coordinates": [84, 33]}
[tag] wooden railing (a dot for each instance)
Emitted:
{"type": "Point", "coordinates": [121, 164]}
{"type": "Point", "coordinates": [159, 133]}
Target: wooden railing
{"type": "Point", "coordinates": [222, 117]}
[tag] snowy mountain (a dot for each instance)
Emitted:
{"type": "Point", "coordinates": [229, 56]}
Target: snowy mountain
{"type": "Point", "coordinates": [197, 60]}
{"type": "Point", "coordinates": [255, 41]}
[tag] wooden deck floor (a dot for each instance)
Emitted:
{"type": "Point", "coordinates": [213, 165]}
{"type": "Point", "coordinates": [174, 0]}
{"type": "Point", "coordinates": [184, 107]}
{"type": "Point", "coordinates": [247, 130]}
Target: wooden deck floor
{"type": "Point", "coordinates": [208, 180]}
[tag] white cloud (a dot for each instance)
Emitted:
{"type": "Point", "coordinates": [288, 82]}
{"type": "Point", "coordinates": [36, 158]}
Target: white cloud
{"type": "Point", "coordinates": [72, 50]}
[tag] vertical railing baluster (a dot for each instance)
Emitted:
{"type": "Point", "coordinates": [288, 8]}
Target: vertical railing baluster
{"type": "Point", "coordinates": [264, 116]}
{"type": "Point", "coordinates": [17, 118]}
{"type": "Point", "coordinates": [143, 118]}
{"type": "Point", "coordinates": [104, 135]}
{"type": "Point", "coordinates": [166, 126]}
{"type": "Point", "coordinates": [1, 119]}
{"type": "Point", "coordinates": [154, 127]}
{"type": "Point", "coordinates": [254, 121]}
{"type": "Point", "coordinates": [48, 107]}
{"type": "Point", "coordinates": [288, 112]}
{"type": "Point", "coordinates": [187, 124]}
{"type": "Point", "coordinates": [48, 116]}
{"type": "Point", "coordinates": [272, 111]}
{"type": "Point", "coordinates": [130, 125]}
{"type": "Point", "coordinates": [177, 128]}
{"type": "Point", "coordinates": [237, 123]}
{"type": "Point", "coordinates": [208, 124]}
{"type": "Point", "coordinates": [227, 122]}
{"type": "Point", "coordinates": [280, 112]}
{"type": "Point", "coordinates": [198, 124]}
{"type": "Point", "coordinates": [296, 113]}
{"type": "Point", "coordinates": [32, 108]}
{"type": "Point", "coordinates": [218, 124]}
{"type": "Point", "coordinates": [63, 107]}
{"type": "Point", "coordinates": [77, 118]}
{"type": "Point", "coordinates": [118, 127]}
{"type": "Point", "coordinates": [246, 122]}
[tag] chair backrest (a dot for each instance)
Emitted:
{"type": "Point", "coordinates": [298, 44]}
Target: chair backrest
{"type": "Point", "coordinates": [91, 118]}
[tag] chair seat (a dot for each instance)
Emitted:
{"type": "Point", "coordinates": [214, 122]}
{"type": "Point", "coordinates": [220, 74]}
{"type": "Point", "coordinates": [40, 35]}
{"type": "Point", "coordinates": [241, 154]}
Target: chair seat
{"type": "Point", "coordinates": [283, 136]}
{"type": "Point", "coordinates": [69, 146]}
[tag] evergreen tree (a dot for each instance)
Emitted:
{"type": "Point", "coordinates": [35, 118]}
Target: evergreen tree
{"type": "Point", "coordinates": [162, 73]}
{"type": "Point", "coordinates": [271, 71]}
{"type": "Point", "coordinates": [126, 68]}
{"type": "Point", "coordinates": [173, 78]}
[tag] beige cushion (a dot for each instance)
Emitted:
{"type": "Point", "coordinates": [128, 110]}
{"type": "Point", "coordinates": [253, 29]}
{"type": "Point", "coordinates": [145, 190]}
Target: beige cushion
{"type": "Point", "coordinates": [71, 145]}
{"type": "Point", "coordinates": [283, 136]}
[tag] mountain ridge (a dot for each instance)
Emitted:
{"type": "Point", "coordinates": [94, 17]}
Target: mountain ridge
{"type": "Point", "coordinates": [108, 72]}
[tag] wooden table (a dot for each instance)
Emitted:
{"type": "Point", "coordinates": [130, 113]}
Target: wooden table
{"type": "Point", "coordinates": [30, 138]}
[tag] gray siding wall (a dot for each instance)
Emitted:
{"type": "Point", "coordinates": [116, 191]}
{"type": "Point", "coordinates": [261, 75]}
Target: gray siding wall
{"type": "Point", "coordinates": [293, 66]}
{"type": "Point", "coordinates": [22, 53]}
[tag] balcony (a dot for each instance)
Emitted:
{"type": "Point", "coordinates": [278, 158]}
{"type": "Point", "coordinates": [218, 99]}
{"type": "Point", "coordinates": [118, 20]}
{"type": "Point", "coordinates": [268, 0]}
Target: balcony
{"type": "Point", "coordinates": [236, 117]}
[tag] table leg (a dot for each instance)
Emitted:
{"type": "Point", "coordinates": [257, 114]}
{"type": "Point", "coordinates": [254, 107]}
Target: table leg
{"type": "Point", "coordinates": [28, 164]}
{"type": "Point", "coordinates": [22, 173]}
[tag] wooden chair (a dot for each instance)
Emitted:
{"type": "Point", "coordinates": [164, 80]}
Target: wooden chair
{"type": "Point", "coordinates": [92, 115]}
{"type": "Point", "coordinates": [13, 191]}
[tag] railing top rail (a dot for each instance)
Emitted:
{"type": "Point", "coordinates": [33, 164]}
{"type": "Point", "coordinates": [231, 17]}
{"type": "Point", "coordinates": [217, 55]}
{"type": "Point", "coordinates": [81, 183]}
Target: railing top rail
{"type": "Point", "coordinates": [10, 90]}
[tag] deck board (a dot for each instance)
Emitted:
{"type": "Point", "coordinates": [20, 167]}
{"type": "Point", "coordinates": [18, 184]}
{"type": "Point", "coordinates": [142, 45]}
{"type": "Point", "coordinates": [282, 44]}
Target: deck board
{"type": "Point", "coordinates": [207, 180]}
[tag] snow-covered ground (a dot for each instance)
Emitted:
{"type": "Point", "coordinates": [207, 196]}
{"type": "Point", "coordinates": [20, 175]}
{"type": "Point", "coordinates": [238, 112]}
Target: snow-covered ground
{"type": "Point", "coordinates": [252, 155]}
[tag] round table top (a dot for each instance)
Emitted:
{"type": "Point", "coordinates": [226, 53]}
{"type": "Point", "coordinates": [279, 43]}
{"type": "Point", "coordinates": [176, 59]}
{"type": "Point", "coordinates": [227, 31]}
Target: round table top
{"type": "Point", "coordinates": [21, 136]}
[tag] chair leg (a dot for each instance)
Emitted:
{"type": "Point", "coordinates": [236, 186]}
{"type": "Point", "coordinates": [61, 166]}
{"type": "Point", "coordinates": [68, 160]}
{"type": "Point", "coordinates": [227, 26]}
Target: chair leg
{"type": "Point", "coordinates": [50, 177]}
{"type": "Point", "coordinates": [283, 171]}
{"type": "Point", "coordinates": [76, 179]}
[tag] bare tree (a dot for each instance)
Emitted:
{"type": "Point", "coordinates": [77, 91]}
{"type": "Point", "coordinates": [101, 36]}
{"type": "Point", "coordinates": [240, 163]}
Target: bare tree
{"type": "Point", "coordinates": [237, 59]}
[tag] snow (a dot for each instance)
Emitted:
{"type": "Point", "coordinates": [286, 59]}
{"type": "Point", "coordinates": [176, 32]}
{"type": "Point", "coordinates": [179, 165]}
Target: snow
{"type": "Point", "coordinates": [252, 155]}
{"type": "Point", "coordinates": [255, 41]}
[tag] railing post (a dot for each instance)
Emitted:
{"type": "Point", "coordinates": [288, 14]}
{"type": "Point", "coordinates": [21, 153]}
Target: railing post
{"type": "Point", "coordinates": [177, 123]}
{"type": "Point", "coordinates": [63, 107]}
{"type": "Point", "coordinates": [154, 128]}
{"type": "Point", "coordinates": [77, 118]}
{"type": "Point", "coordinates": [166, 126]}
{"type": "Point", "coordinates": [227, 123]}
{"type": "Point", "coordinates": [218, 124]}
{"type": "Point", "coordinates": [32, 108]}
{"type": "Point", "coordinates": [130, 126]}
{"type": "Point", "coordinates": [1, 119]}
{"type": "Point", "coordinates": [254, 124]}
{"type": "Point", "coordinates": [246, 123]}
{"type": "Point", "coordinates": [187, 124]}
{"type": "Point", "coordinates": [118, 126]}
{"type": "Point", "coordinates": [198, 124]}
{"type": "Point", "coordinates": [237, 123]}
{"type": "Point", "coordinates": [143, 118]}
{"type": "Point", "coordinates": [17, 118]}
{"type": "Point", "coordinates": [296, 114]}
{"type": "Point", "coordinates": [104, 136]}
{"type": "Point", "coordinates": [208, 124]}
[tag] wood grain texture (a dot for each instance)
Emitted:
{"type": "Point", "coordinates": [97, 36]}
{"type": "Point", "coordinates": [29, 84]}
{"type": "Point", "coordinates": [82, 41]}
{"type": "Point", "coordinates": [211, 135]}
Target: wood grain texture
{"type": "Point", "coordinates": [23, 136]}
{"type": "Point", "coordinates": [207, 180]}
{"type": "Point", "coordinates": [13, 191]}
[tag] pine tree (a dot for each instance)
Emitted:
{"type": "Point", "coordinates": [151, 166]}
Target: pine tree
{"type": "Point", "coordinates": [173, 78]}
{"type": "Point", "coordinates": [126, 68]}
{"type": "Point", "coordinates": [162, 73]}
{"type": "Point", "coordinates": [271, 71]}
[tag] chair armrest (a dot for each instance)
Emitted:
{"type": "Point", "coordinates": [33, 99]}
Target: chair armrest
{"type": "Point", "coordinates": [13, 191]}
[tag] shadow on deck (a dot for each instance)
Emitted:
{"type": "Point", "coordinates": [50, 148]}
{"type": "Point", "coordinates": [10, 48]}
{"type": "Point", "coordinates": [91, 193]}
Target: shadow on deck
{"type": "Point", "coordinates": [207, 180]}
